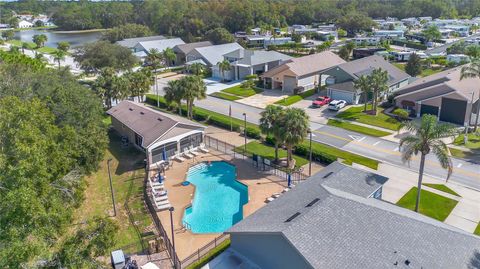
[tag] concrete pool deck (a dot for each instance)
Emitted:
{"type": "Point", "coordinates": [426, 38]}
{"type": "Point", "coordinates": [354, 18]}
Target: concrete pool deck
{"type": "Point", "coordinates": [260, 186]}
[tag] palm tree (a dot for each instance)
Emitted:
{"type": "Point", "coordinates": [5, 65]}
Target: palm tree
{"type": "Point", "coordinates": [294, 127]}
{"type": "Point", "coordinates": [197, 69]}
{"type": "Point", "coordinates": [59, 55]}
{"type": "Point", "coordinates": [25, 46]}
{"type": "Point", "coordinates": [40, 57]}
{"type": "Point", "coordinates": [379, 80]}
{"type": "Point", "coordinates": [140, 82]}
{"type": "Point", "coordinates": [224, 66]}
{"type": "Point", "coordinates": [169, 56]}
{"type": "Point", "coordinates": [363, 83]}
{"type": "Point", "coordinates": [194, 88]}
{"type": "Point", "coordinates": [40, 40]}
{"type": "Point", "coordinates": [269, 124]}
{"type": "Point", "coordinates": [174, 93]}
{"type": "Point", "coordinates": [472, 71]}
{"type": "Point", "coordinates": [154, 59]}
{"type": "Point", "coordinates": [427, 137]}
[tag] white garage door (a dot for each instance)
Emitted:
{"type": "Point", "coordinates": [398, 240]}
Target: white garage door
{"type": "Point", "coordinates": [341, 95]}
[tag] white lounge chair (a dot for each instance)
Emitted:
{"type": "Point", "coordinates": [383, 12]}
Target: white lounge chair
{"type": "Point", "coordinates": [187, 154]}
{"type": "Point", "coordinates": [203, 148]}
{"type": "Point", "coordinates": [269, 199]}
{"type": "Point", "coordinates": [156, 187]}
{"type": "Point", "coordinates": [285, 190]}
{"type": "Point", "coordinates": [275, 195]}
{"type": "Point", "coordinates": [161, 199]}
{"type": "Point", "coordinates": [179, 158]}
{"type": "Point", "coordinates": [194, 151]}
{"type": "Point", "coordinates": [160, 203]}
{"type": "Point", "coordinates": [163, 207]}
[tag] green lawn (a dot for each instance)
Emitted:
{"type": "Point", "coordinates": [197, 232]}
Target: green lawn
{"type": "Point", "coordinates": [289, 100]}
{"type": "Point", "coordinates": [349, 157]}
{"type": "Point", "coordinates": [380, 120]}
{"type": "Point", "coordinates": [268, 152]}
{"type": "Point", "coordinates": [127, 177]}
{"type": "Point", "coordinates": [48, 50]}
{"type": "Point", "coordinates": [425, 72]}
{"type": "Point", "coordinates": [472, 143]}
{"type": "Point", "coordinates": [477, 230]}
{"type": "Point", "coordinates": [19, 43]}
{"type": "Point", "coordinates": [238, 90]}
{"type": "Point", "coordinates": [431, 204]}
{"type": "Point", "coordinates": [442, 187]}
{"type": "Point", "coordinates": [357, 128]}
{"type": "Point", "coordinates": [225, 96]}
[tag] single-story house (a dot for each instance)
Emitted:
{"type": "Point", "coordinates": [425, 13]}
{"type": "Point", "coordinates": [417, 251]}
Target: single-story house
{"type": "Point", "coordinates": [25, 24]}
{"type": "Point", "coordinates": [442, 94]}
{"type": "Point", "coordinates": [458, 58]}
{"type": "Point", "coordinates": [159, 44]}
{"type": "Point", "coordinates": [211, 55]}
{"type": "Point", "coordinates": [301, 73]}
{"type": "Point", "coordinates": [388, 33]}
{"type": "Point", "coordinates": [340, 78]}
{"type": "Point", "coordinates": [131, 42]}
{"type": "Point", "coordinates": [333, 220]}
{"type": "Point", "coordinates": [248, 62]}
{"type": "Point", "coordinates": [263, 41]}
{"type": "Point", "coordinates": [161, 136]}
{"type": "Point", "coordinates": [360, 41]}
{"type": "Point", "coordinates": [182, 50]}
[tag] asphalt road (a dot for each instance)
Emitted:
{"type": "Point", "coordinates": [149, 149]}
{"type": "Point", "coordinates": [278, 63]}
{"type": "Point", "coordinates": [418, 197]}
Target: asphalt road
{"type": "Point", "coordinates": [385, 151]}
{"type": "Point", "coordinates": [443, 48]}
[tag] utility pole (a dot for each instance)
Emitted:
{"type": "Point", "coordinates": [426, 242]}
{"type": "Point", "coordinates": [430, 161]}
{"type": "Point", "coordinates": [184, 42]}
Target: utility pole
{"type": "Point", "coordinates": [111, 188]}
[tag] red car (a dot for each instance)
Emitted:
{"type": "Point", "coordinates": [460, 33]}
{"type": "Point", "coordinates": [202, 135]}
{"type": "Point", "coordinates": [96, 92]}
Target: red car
{"type": "Point", "coordinates": [320, 101]}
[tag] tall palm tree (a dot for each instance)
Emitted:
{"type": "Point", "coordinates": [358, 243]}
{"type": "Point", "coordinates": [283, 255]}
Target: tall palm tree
{"type": "Point", "coordinates": [154, 59]}
{"type": "Point", "coordinates": [197, 69]}
{"type": "Point", "coordinates": [58, 56]}
{"type": "Point", "coordinates": [294, 125]}
{"type": "Point", "coordinates": [426, 137]}
{"type": "Point", "coordinates": [40, 40]}
{"type": "Point", "coordinates": [379, 82]}
{"type": "Point", "coordinates": [363, 83]}
{"type": "Point", "coordinates": [270, 124]}
{"type": "Point", "coordinates": [174, 93]}
{"type": "Point", "coordinates": [194, 88]}
{"type": "Point", "coordinates": [140, 82]}
{"type": "Point", "coordinates": [25, 46]}
{"type": "Point", "coordinates": [103, 86]}
{"type": "Point", "coordinates": [472, 71]}
{"type": "Point", "coordinates": [169, 56]}
{"type": "Point", "coordinates": [224, 66]}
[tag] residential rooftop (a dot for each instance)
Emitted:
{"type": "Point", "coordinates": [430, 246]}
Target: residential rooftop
{"type": "Point", "coordinates": [330, 221]}
{"type": "Point", "coordinates": [131, 42]}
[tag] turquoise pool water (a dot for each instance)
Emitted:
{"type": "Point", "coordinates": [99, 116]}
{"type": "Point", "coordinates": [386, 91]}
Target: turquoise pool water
{"type": "Point", "coordinates": [218, 199]}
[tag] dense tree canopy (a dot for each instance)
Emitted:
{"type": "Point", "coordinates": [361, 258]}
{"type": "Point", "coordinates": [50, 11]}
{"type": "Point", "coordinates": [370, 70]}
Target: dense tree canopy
{"type": "Point", "coordinates": [128, 30]}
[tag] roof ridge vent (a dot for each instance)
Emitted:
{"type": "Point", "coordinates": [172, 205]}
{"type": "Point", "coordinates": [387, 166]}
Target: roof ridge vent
{"type": "Point", "coordinates": [327, 175]}
{"type": "Point", "coordinates": [292, 217]}
{"type": "Point", "coordinates": [159, 119]}
{"type": "Point", "coordinates": [314, 201]}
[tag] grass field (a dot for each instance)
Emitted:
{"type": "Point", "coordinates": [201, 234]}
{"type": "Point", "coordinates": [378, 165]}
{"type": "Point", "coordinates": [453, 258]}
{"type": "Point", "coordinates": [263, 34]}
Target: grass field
{"type": "Point", "coordinates": [48, 50]}
{"type": "Point", "coordinates": [425, 72]}
{"type": "Point", "coordinates": [225, 96]}
{"type": "Point", "coordinates": [442, 187]}
{"type": "Point", "coordinates": [289, 100]}
{"type": "Point", "coordinates": [357, 128]}
{"type": "Point", "coordinates": [268, 152]}
{"type": "Point", "coordinates": [349, 157]}
{"type": "Point", "coordinates": [32, 46]}
{"type": "Point", "coordinates": [238, 90]}
{"type": "Point", "coordinates": [431, 204]}
{"type": "Point", "coordinates": [380, 120]}
{"type": "Point", "coordinates": [127, 178]}
{"type": "Point", "coordinates": [473, 142]}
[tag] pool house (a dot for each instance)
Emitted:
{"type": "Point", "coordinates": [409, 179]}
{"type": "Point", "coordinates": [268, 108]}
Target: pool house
{"type": "Point", "coordinates": [161, 136]}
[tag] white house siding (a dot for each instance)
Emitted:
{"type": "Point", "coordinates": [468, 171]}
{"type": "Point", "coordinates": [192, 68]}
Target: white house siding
{"type": "Point", "coordinates": [308, 82]}
{"type": "Point", "coordinates": [289, 83]}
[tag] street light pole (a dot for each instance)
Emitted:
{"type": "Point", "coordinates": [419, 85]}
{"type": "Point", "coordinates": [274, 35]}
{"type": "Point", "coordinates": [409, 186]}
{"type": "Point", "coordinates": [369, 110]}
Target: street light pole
{"type": "Point", "coordinates": [111, 187]}
{"type": "Point", "coordinates": [310, 155]}
{"type": "Point", "coordinates": [171, 209]}
{"type": "Point", "coordinates": [245, 133]}
{"type": "Point", "coordinates": [465, 136]}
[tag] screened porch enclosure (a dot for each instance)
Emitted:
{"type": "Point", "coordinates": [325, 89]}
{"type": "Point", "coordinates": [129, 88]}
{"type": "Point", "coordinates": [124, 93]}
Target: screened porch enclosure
{"type": "Point", "coordinates": [169, 150]}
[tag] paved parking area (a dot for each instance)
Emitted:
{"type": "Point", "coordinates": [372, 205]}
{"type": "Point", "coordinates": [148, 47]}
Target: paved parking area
{"type": "Point", "coordinates": [263, 99]}
{"type": "Point", "coordinates": [317, 115]}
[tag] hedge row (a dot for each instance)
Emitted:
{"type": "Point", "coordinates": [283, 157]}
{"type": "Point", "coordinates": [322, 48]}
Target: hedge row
{"type": "Point", "coordinates": [408, 44]}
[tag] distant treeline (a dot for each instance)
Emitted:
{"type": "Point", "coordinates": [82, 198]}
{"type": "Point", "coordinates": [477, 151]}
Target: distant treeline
{"type": "Point", "coordinates": [193, 18]}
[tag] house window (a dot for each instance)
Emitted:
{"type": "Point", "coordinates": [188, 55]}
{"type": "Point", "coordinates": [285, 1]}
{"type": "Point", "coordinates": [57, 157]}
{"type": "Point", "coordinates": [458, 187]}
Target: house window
{"type": "Point", "coordinates": [138, 140]}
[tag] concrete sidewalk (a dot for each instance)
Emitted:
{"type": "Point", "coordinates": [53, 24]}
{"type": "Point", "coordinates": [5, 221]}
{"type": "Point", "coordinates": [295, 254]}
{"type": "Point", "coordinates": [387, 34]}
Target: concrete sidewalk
{"type": "Point", "coordinates": [465, 215]}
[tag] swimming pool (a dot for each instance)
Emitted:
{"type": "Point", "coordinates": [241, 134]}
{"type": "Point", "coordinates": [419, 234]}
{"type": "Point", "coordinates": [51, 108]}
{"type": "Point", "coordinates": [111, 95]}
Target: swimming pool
{"type": "Point", "coordinates": [218, 200]}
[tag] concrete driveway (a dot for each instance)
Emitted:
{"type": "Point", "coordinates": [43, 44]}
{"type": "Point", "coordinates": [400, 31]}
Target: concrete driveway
{"type": "Point", "coordinates": [215, 85]}
{"type": "Point", "coordinates": [317, 115]}
{"type": "Point", "coordinates": [263, 99]}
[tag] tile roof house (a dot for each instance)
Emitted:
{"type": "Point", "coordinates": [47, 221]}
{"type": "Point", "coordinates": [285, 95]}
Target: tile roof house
{"type": "Point", "coordinates": [131, 42]}
{"type": "Point", "coordinates": [159, 44]}
{"type": "Point", "coordinates": [339, 79]}
{"type": "Point", "coordinates": [161, 136]}
{"type": "Point", "coordinates": [211, 55]}
{"type": "Point", "coordinates": [331, 220]}
{"type": "Point", "coordinates": [442, 94]}
{"type": "Point", "coordinates": [248, 62]}
{"type": "Point", "coordinates": [303, 72]}
{"type": "Point", "coordinates": [183, 49]}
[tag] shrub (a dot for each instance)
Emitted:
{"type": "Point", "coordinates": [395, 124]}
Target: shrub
{"type": "Point", "coordinates": [248, 84]}
{"type": "Point", "coordinates": [223, 122]}
{"type": "Point", "coordinates": [270, 140]}
{"type": "Point", "coordinates": [253, 133]}
{"type": "Point", "coordinates": [254, 77]}
{"type": "Point", "coordinates": [322, 157]}
{"type": "Point", "coordinates": [308, 93]}
{"type": "Point", "coordinates": [401, 113]}
{"type": "Point", "coordinates": [152, 100]}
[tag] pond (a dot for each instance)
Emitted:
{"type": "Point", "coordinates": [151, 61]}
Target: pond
{"type": "Point", "coordinates": [75, 38]}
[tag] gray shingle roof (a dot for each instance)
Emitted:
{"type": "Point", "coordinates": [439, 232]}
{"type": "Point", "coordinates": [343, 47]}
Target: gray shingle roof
{"type": "Point", "coordinates": [255, 57]}
{"type": "Point", "coordinates": [131, 42]}
{"type": "Point", "coordinates": [186, 48]}
{"type": "Point", "coordinates": [148, 123]}
{"type": "Point", "coordinates": [214, 54]}
{"type": "Point", "coordinates": [345, 230]}
{"type": "Point", "coordinates": [365, 66]}
{"type": "Point", "coordinates": [160, 45]}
